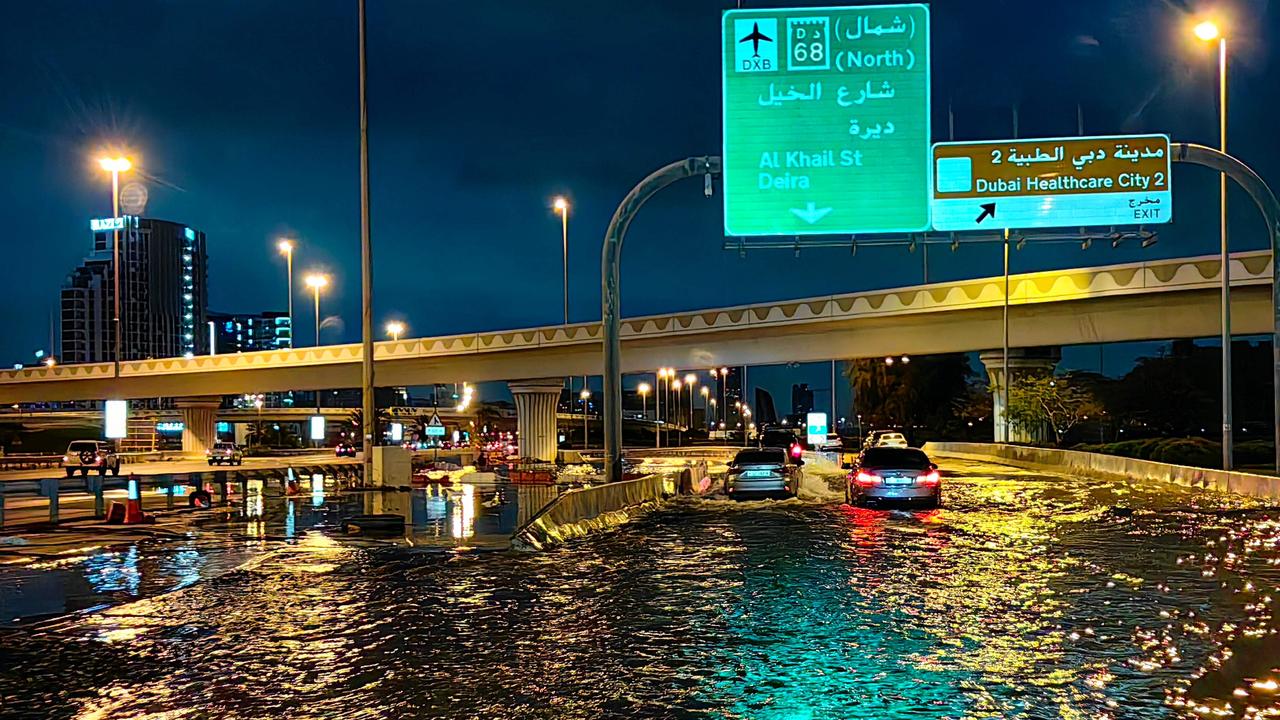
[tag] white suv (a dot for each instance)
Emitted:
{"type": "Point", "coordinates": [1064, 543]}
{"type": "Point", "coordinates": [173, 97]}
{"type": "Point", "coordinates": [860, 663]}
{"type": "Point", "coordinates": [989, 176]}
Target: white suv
{"type": "Point", "coordinates": [86, 455]}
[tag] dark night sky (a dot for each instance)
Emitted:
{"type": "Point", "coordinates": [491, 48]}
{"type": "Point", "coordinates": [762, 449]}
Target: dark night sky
{"type": "Point", "coordinates": [245, 114]}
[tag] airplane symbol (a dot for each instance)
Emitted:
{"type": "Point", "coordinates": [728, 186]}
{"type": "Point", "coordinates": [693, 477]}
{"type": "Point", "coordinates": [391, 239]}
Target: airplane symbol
{"type": "Point", "coordinates": [755, 37]}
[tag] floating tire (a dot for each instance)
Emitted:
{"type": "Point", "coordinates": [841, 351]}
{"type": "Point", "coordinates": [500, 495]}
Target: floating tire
{"type": "Point", "coordinates": [200, 499]}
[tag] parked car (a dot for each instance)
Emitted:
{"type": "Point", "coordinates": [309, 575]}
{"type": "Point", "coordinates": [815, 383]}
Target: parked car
{"type": "Point", "coordinates": [345, 449]}
{"type": "Point", "coordinates": [86, 455]}
{"type": "Point", "coordinates": [763, 472]}
{"type": "Point", "coordinates": [225, 452]}
{"type": "Point", "coordinates": [894, 473]}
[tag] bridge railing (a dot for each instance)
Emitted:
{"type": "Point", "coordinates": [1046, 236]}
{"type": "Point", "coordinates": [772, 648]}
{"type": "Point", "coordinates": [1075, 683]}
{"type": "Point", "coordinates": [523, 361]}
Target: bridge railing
{"type": "Point", "coordinates": [172, 485]}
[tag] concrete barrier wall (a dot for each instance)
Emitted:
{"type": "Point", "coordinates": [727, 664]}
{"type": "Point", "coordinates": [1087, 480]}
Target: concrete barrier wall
{"type": "Point", "coordinates": [1110, 466]}
{"type": "Point", "coordinates": [578, 512]}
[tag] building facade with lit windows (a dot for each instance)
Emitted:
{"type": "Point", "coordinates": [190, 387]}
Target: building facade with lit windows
{"type": "Point", "coordinates": [247, 332]}
{"type": "Point", "coordinates": [164, 294]}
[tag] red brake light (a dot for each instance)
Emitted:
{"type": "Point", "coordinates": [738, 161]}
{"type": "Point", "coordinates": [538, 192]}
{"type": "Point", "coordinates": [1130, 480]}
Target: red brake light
{"type": "Point", "coordinates": [866, 478]}
{"type": "Point", "coordinates": [796, 450]}
{"type": "Point", "coordinates": [930, 478]}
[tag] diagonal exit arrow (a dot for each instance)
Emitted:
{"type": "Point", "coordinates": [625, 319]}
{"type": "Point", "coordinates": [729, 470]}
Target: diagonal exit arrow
{"type": "Point", "coordinates": [988, 210]}
{"type": "Point", "coordinates": [810, 213]}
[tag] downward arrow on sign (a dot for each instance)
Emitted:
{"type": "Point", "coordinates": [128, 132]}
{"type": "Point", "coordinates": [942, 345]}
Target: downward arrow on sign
{"type": "Point", "coordinates": [811, 214]}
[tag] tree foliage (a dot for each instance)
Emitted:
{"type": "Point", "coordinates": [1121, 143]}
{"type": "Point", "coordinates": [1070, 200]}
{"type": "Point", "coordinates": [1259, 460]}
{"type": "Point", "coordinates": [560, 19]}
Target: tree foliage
{"type": "Point", "coordinates": [1059, 402]}
{"type": "Point", "coordinates": [919, 393]}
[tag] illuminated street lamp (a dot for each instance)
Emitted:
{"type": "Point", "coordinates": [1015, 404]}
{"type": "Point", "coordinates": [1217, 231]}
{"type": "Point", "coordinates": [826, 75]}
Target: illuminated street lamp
{"type": "Point", "coordinates": [285, 247]}
{"type": "Point", "coordinates": [317, 281]}
{"type": "Point", "coordinates": [1208, 31]}
{"type": "Point", "coordinates": [115, 166]}
{"type": "Point", "coordinates": [707, 402]}
{"type": "Point", "coordinates": [689, 381]}
{"type": "Point", "coordinates": [395, 329]}
{"type": "Point", "coordinates": [585, 395]}
{"type": "Point", "coordinates": [562, 209]}
{"type": "Point", "coordinates": [643, 390]}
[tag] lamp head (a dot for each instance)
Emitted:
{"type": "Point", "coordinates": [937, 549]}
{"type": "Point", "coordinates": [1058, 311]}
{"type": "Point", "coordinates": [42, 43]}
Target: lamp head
{"type": "Point", "coordinates": [1206, 30]}
{"type": "Point", "coordinates": [115, 164]}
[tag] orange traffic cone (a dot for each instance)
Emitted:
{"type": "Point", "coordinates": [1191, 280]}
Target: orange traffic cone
{"type": "Point", "coordinates": [133, 514]}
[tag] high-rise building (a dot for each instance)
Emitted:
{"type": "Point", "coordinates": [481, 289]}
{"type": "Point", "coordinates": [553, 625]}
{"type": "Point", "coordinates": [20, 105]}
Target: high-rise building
{"type": "Point", "coordinates": [164, 295]}
{"type": "Point", "coordinates": [801, 399]}
{"type": "Point", "coordinates": [243, 332]}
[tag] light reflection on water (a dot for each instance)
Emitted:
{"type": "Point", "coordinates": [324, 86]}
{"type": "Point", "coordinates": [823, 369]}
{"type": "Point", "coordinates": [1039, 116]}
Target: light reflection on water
{"type": "Point", "coordinates": [1024, 597]}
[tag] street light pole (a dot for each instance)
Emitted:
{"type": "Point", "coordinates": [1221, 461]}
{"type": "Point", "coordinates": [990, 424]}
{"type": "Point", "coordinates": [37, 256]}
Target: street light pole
{"type": "Point", "coordinates": [286, 247]}
{"type": "Point", "coordinates": [368, 401]}
{"type": "Point", "coordinates": [562, 208]}
{"type": "Point", "coordinates": [1227, 423]}
{"type": "Point", "coordinates": [316, 281]}
{"type": "Point", "coordinates": [115, 166]}
{"type": "Point", "coordinates": [1208, 31]}
{"type": "Point", "coordinates": [1004, 371]}
{"type": "Point", "coordinates": [115, 262]}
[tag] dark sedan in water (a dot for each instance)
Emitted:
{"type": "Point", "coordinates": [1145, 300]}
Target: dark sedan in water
{"type": "Point", "coordinates": [894, 473]}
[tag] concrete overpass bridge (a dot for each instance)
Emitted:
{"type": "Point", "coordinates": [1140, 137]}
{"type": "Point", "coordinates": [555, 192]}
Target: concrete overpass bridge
{"type": "Point", "coordinates": [1153, 300]}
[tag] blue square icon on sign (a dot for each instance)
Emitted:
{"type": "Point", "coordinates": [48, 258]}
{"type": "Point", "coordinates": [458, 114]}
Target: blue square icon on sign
{"type": "Point", "coordinates": [954, 174]}
{"type": "Point", "coordinates": [756, 45]}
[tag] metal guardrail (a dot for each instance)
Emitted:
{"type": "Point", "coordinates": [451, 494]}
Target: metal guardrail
{"type": "Point", "coordinates": [23, 462]}
{"type": "Point", "coordinates": [221, 480]}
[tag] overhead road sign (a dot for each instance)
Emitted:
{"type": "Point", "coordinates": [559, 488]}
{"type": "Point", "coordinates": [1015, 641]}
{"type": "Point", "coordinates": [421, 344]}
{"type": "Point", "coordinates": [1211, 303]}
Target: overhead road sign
{"type": "Point", "coordinates": [826, 120]}
{"type": "Point", "coordinates": [1052, 182]}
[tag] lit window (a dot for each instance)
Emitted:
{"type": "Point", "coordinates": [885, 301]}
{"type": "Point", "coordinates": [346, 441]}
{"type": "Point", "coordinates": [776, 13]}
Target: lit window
{"type": "Point", "coordinates": [191, 234]}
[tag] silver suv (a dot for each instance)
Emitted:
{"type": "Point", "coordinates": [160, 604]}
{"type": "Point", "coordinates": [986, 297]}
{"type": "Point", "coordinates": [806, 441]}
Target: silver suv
{"type": "Point", "coordinates": [86, 455]}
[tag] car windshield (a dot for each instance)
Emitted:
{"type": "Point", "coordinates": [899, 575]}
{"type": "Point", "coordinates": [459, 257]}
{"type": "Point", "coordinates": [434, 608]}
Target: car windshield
{"type": "Point", "coordinates": [758, 457]}
{"type": "Point", "coordinates": [225, 446]}
{"type": "Point", "coordinates": [82, 446]}
{"type": "Point", "coordinates": [899, 458]}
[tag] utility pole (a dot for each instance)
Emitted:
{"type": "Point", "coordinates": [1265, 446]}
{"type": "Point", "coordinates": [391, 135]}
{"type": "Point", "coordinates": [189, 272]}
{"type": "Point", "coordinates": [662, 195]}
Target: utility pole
{"type": "Point", "coordinates": [368, 401]}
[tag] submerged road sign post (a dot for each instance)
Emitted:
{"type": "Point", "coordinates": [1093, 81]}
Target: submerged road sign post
{"type": "Point", "coordinates": [1053, 182]}
{"type": "Point", "coordinates": [826, 120]}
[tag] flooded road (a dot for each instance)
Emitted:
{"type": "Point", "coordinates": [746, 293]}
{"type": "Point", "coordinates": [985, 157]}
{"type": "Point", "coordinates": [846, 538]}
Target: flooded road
{"type": "Point", "coordinates": [1025, 596]}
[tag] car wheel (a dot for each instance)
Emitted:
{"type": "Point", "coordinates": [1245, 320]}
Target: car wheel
{"type": "Point", "coordinates": [212, 463]}
{"type": "Point", "coordinates": [200, 498]}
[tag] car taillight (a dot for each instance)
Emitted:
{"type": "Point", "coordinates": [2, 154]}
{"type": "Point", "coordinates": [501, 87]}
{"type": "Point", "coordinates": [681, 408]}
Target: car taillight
{"type": "Point", "coordinates": [796, 450]}
{"type": "Point", "coordinates": [866, 478]}
{"type": "Point", "coordinates": [929, 478]}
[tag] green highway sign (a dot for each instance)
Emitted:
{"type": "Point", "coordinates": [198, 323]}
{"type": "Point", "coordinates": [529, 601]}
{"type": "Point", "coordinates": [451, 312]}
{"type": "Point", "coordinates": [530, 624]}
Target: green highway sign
{"type": "Point", "coordinates": [826, 120]}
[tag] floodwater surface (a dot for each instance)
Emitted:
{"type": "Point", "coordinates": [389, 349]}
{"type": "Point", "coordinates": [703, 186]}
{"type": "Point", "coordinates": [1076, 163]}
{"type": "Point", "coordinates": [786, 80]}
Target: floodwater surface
{"type": "Point", "coordinates": [1026, 596]}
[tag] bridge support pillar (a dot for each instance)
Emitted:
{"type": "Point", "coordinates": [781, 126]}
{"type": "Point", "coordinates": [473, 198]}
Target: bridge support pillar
{"type": "Point", "coordinates": [536, 402]}
{"type": "Point", "coordinates": [199, 423]}
{"type": "Point", "coordinates": [1028, 360]}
